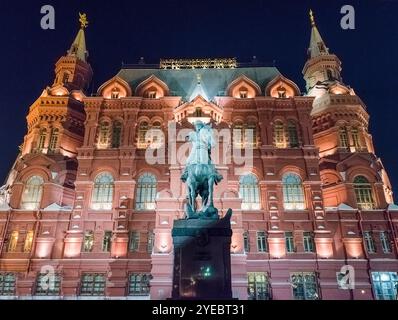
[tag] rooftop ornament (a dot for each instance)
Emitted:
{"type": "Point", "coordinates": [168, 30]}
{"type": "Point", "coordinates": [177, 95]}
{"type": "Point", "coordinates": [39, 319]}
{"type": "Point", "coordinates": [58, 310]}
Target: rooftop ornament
{"type": "Point", "coordinates": [223, 63]}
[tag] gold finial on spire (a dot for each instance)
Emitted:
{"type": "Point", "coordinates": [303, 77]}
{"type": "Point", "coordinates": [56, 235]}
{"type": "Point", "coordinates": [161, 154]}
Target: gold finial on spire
{"type": "Point", "coordinates": [312, 19]}
{"type": "Point", "coordinates": [83, 20]}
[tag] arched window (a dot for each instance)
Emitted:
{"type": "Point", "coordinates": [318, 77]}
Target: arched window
{"type": "Point", "coordinates": [355, 138]}
{"type": "Point", "coordinates": [329, 74]}
{"type": "Point", "coordinates": [249, 192]}
{"type": "Point", "coordinates": [363, 193]}
{"type": "Point", "coordinates": [42, 139]}
{"type": "Point", "coordinates": [293, 136]}
{"type": "Point", "coordinates": [143, 129]}
{"type": "Point", "coordinates": [115, 93]}
{"type": "Point", "coordinates": [53, 140]}
{"type": "Point", "coordinates": [102, 197]}
{"type": "Point", "coordinates": [32, 194]}
{"type": "Point", "coordinates": [251, 135]}
{"type": "Point", "coordinates": [116, 134]}
{"type": "Point", "coordinates": [103, 137]}
{"type": "Point", "coordinates": [343, 136]}
{"type": "Point", "coordinates": [238, 135]}
{"type": "Point", "coordinates": [279, 135]}
{"type": "Point", "coordinates": [146, 192]}
{"type": "Point", "coordinates": [156, 137]}
{"type": "Point", "coordinates": [293, 192]}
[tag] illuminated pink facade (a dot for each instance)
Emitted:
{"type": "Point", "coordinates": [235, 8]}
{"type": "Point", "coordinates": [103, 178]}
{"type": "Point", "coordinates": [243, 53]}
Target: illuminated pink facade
{"type": "Point", "coordinates": [83, 201]}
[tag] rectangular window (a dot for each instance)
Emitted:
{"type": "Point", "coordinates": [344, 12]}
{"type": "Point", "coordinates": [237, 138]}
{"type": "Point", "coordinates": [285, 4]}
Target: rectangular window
{"type": "Point", "coordinates": [289, 239]}
{"type": "Point", "coordinates": [369, 242]}
{"type": "Point", "coordinates": [385, 285]}
{"type": "Point", "coordinates": [355, 139]}
{"type": "Point", "coordinates": [385, 242]}
{"type": "Point", "coordinates": [344, 138]}
{"type": "Point", "coordinates": [308, 242]}
{"type": "Point", "coordinates": [88, 242]}
{"type": "Point", "coordinates": [258, 286]}
{"type": "Point", "coordinates": [106, 242]}
{"type": "Point", "coordinates": [304, 286]}
{"type": "Point", "coordinates": [134, 241]}
{"type": "Point", "coordinates": [93, 284]}
{"type": "Point", "coordinates": [48, 284]}
{"type": "Point", "coordinates": [139, 284]}
{"type": "Point", "coordinates": [12, 245]}
{"type": "Point", "coordinates": [7, 284]}
{"type": "Point", "coordinates": [246, 241]}
{"type": "Point", "coordinates": [262, 241]}
{"type": "Point", "coordinates": [28, 242]}
{"type": "Point", "coordinates": [151, 240]}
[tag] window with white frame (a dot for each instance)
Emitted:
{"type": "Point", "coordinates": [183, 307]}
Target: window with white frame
{"type": "Point", "coordinates": [258, 286]}
{"type": "Point", "coordinates": [279, 134]}
{"type": "Point", "coordinates": [7, 284]}
{"type": "Point", "coordinates": [116, 134]}
{"type": "Point", "coordinates": [369, 242]}
{"type": "Point", "coordinates": [385, 285]}
{"type": "Point", "coordinates": [385, 241]}
{"type": "Point", "coordinates": [107, 241]}
{"type": "Point", "coordinates": [151, 241]}
{"type": "Point", "coordinates": [344, 142]}
{"type": "Point", "coordinates": [293, 192]}
{"type": "Point", "coordinates": [42, 139]}
{"type": "Point", "coordinates": [139, 284]}
{"type": "Point", "coordinates": [134, 241]}
{"type": "Point", "coordinates": [48, 284]}
{"type": "Point", "coordinates": [262, 241]}
{"type": "Point", "coordinates": [146, 192]}
{"type": "Point", "coordinates": [246, 241]}
{"type": "Point", "coordinates": [308, 242]}
{"type": "Point", "coordinates": [88, 241]}
{"type": "Point", "coordinates": [102, 197]}
{"type": "Point", "coordinates": [28, 242]}
{"type": "Point", "coordinates": [13, 243]}
{"type": "Point", "coordinates": [32, 194]}
{"type": "Point", "coordinates": [249, 192]}
{"type": "Point", "coordinates": [238, 135]}
{"type": "Point", "coordinates": [93, 284]}
{"type": "Point", "coordinates": [305, 285]}
{"type": "Point", "coordinates": [363, 193]}
{"type": "Point", "coordinates": [293, 135]}
{"type": "Point", "coordinates": [104, 135]}
{"type": "Point", "coordinates": [52, 147]}
{"type": "Point", "coordinates": [289, 241]}
{"type": "Point", "coordinates": [355, 139]}
{"type": "Point", "coordinates": [143, 140]}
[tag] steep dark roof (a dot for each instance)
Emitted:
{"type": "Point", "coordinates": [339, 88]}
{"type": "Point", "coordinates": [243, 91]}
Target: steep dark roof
{"type": "Point", "coordinates": [213, 81]}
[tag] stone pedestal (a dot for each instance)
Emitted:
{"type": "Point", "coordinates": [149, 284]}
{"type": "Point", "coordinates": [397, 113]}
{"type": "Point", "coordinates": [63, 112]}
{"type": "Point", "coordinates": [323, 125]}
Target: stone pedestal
{"type": "Point", "coordinates": [202, 259]}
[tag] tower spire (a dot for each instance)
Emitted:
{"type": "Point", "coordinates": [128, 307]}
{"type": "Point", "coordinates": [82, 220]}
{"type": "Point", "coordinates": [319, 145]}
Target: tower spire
{"type": "Point", "coordinates": [317, 45]}
{"type": "Point", "coordinates": [78, 48]}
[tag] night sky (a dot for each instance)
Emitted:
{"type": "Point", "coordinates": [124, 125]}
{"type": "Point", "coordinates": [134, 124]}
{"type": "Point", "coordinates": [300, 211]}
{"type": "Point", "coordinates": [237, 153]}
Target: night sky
{"type": "Point", "coordinates": [123, 31]}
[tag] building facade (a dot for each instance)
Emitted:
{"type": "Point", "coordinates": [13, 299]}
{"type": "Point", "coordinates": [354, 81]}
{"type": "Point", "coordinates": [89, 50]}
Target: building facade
{"type": "Point", "coordinates": [88, 207]}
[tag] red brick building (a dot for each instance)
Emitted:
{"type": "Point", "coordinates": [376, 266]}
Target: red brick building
{"type": "Point", "coordinates": [85, 212]}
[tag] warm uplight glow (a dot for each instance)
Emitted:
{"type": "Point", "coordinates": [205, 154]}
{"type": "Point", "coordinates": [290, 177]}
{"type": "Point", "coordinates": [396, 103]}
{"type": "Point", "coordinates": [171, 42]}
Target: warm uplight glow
{"type": "Point", "coordinates": [44, 247]}
{"type": "Point", "coordinates": [72, 247]}
{"type": "Point", "coordinates": [324, 247]}
{"type": "Point", "coordinates": [354, 247]}
{"type": "Point", "coordinates": [277, 247]}
{"type": "Point", "coordinates": [119, 247]}
{"type": "Point", "coordinates": [163, 243]}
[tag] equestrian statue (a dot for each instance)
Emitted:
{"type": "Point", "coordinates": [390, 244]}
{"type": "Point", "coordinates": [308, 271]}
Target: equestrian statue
{"type": "Point", "coordinates": [200, 173]}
